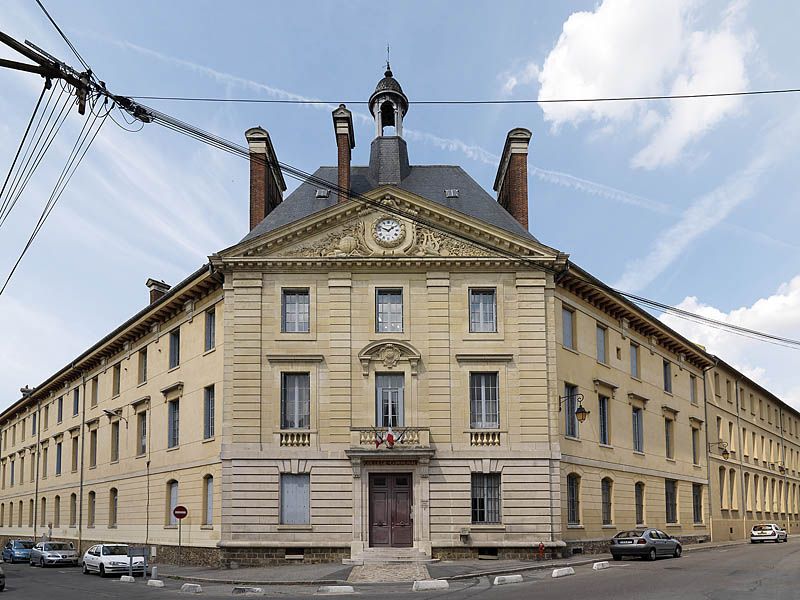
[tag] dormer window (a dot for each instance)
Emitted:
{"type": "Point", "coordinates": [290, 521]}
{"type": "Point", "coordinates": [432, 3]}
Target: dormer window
{"type": "Point", "coordinates": [323, 193]}
{"type": "Point", "coordinates": [451, 193]}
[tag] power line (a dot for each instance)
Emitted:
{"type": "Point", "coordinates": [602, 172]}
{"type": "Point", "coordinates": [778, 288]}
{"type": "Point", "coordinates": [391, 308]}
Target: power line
{"type": "Point", "coordinates": [35, 154]}
{"type": "Point", "coordinates": [64, 36]}
{"type": "Point", "coordinates": [237, 150]}
{"type": "Point", "coordinates": [79, 150]}
{"type": "Point", "coordinates": [21, 145]}
{"type": "Point", "coordinates": [478, 102]}
{"type": "Point", "coordinates": [146, 115]}
{"type": "Point", "coordinates": [685, 313]}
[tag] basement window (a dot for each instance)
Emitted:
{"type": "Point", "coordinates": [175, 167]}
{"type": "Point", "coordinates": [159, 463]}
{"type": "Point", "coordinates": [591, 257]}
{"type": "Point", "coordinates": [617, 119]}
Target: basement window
{"type": "Point", "coordinates": [294, 553]}
{"type": "Point", "coordinates": [323, 193]}
{"type": "Point", "coordinates": [451, 193]}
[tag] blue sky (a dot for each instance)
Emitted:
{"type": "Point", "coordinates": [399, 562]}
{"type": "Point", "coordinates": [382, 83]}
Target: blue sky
{"type": "Point", "coordinates": [691, 202]}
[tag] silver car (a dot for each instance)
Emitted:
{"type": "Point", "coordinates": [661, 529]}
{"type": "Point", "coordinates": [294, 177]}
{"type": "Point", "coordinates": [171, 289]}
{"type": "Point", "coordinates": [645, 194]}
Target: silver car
{"type": "Point", "coordinates": [54, 553]}
{"type": "Point", "coordinates": [645, 543]}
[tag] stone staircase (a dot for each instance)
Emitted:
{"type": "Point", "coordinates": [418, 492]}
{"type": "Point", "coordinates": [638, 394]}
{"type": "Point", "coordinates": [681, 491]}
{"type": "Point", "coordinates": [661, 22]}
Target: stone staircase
{"type": "Point", "coordinates": [374, 556]}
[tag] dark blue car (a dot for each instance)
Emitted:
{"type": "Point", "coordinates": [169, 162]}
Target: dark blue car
{"type": "Point", "coordinates": [17, 550]}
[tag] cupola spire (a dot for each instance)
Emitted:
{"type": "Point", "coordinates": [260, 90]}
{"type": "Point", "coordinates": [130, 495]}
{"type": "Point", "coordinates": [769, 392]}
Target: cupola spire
{"type": "Point", "coordinates": [388, 104]}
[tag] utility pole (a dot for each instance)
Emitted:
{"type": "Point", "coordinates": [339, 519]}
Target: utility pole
{"type": "Point", "coordinates": [48, 67]}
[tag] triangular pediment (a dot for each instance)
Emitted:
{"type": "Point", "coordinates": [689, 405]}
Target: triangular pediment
{"type": "Point", "coordinates": [389, 224]}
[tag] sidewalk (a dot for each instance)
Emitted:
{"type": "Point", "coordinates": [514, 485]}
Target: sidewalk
{"type": "Point", "coordinates": [336, 573]}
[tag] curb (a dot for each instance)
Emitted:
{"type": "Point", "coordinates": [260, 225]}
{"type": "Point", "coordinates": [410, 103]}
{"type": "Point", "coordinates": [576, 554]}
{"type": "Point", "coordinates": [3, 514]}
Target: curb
{"type": "Point", "coordinates": [243, 582]}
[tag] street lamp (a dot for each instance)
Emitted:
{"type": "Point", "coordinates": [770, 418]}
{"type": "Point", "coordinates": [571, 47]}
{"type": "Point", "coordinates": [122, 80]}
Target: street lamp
{"type": "Point", "coordinates": [721, 446]}
{"type": "Point", "coordinates": [580, 413]}
{"type": "Point", "coordinates": [115, 413]}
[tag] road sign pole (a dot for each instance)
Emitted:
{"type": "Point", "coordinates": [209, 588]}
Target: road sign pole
{"type": "Point", "coordinates": [180, 521]}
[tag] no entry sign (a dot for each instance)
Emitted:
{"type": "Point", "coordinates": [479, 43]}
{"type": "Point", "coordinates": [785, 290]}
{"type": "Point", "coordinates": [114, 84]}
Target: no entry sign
{"type": "Point", "coordinates": [180, 512]}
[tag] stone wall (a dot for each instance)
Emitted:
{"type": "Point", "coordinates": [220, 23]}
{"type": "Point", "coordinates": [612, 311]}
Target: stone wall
{"type": "Point", "coordinates": [233, 558]}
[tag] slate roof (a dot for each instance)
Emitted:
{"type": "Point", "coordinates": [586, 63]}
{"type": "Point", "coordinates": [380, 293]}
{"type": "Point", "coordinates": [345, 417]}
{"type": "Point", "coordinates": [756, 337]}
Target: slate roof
{"type": "Point", "coordinates": [428, 181]}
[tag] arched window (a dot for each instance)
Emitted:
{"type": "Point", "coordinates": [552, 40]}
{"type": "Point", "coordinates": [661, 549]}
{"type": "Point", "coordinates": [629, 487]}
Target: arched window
{"type": "Point", "coordinates": [91, 511]}
{"type": "Point", "coordinates": [172, 501]}
{"type": "Point", "coordinates": [30, 512]}
{"type": "Point", "coordinates": [73, 510]}
{"type": "Point", "coordinates": [43, 513]}
{"type": "Point", "coordinates": [208, 500]}
{"type": "Point", "coordinates": [773, 497]}
{"type": "Point", "coordinates": [606, 488]}
{"type": "Point", "coordinates": [10, 514]}
{"type": "Point", "coordinates": [113, 499]}
{"type": "Point", "coordinates": [734, 505]}
{"type": "Point", "coordinates": [639, 500]}
{"type": "Point", "coordinates": [756, 494]}
{"type": "Point", "coordinates": [748, 500]}
{"type": "Point", "coordinates": [722, 495]}
{"type": "Point", "coordinates": [2, 514]}
{"type": "Point", "coordinates": [765, 494]}
{"type": "Point", "coordinates": [573, 499]}
{"type": "Point", "coordinates": [57, 511]}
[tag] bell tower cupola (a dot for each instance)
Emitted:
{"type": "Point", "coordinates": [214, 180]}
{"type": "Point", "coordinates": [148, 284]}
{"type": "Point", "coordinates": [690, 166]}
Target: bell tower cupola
{"type": "Point", "coordinates": [388, 105]}
{"type": "Point", "coordinates": [388, 153]}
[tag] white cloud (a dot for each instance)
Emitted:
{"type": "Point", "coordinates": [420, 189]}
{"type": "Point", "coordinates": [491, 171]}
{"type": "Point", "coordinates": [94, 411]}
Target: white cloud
{"type": "Point", "coordinates": [471, 151]}
{"type": "Point", "coordinates": [644, 48]}
{"type": "Point", "coordinates": [711, 209]}
{"type": "Point", "coordinates": [527, 74]}
{"type": "Point", "coordinates": [772, 366]}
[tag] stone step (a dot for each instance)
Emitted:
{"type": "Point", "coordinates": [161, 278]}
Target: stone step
{"type": "Point", "coordinates": [389, 555]}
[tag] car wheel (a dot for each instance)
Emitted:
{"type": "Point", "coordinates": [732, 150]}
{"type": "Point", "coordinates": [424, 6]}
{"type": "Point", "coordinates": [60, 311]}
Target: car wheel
{"type": "Point", "coordinates": [102, 571]}
{"type": "Point", "coordinates": [41, 562]}
{"type": "Point", "coordinates": [652, 555]}
{"type": "Point", "coordinates": [617, 557]}
{"type": "Point", "coordinates": [678, 551]}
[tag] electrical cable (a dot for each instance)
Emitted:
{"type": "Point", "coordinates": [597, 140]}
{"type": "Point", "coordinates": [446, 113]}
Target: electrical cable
{"type": "Point", "coordinates": [479, 102]}
{"type": "Point", "coordinates": [231, 147]}
{"type": "Point", "coordinates": [21, 145]}
{"type": "Point", "coordinates": [55, 127]}
{"type": "Point", "coordinates": [66, 175]}
{"type": "Point", "coordinates": [64, 36]}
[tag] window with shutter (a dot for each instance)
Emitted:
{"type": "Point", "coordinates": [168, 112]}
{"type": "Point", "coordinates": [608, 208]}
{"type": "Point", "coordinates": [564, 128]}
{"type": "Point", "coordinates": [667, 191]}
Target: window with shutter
{"type": "Point", "coordinates": [295, 499]}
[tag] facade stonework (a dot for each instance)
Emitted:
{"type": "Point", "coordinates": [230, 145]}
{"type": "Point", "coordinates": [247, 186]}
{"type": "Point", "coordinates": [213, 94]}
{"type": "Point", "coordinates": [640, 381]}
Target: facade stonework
{"type": "Point", "coordinates": [394, 367]}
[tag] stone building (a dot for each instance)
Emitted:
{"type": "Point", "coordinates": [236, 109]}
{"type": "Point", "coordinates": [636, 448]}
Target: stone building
{"type": "Point", "coordinates": [388, 363]}
{"type": "Point", "coordinates": [754, 455]}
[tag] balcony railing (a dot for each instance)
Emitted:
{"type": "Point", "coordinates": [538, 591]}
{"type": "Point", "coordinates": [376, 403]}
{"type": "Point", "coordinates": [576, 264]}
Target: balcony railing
{"type": "Point", "coordinates": [295, 438]}
{"type": "Point", "coordinates": [484, 438]}
{"type": "Point", "coordinates": [378, 437]}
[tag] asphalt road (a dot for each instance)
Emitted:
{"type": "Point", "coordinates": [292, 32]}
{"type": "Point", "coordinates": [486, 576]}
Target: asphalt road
{"type": "Point", "coordinates": [752, 572]}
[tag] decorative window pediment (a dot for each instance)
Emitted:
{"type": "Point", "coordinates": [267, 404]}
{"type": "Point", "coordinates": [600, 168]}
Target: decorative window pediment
{"type": "Point", "coordinates": [389, 353]}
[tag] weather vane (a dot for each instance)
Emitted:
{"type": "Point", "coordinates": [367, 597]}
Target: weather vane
{"type": "Point", "coordinates": [387, 58]}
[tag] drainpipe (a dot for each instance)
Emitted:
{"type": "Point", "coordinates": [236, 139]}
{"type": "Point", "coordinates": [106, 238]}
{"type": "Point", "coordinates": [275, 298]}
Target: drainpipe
{"type": "Point", "coordinates": [708, 454]}
{"type": "Point", "coordinates": [80, 489]}
{"type": "Point", "coordinates": [741, 461]}
{"type": "Point", "coordinates": [149, 420]}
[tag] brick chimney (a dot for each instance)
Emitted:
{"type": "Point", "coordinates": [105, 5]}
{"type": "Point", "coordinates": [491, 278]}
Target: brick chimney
{"type": "Point", "coordinates": [266, 180]}
{"type": "Point", "coordinates": [345, 142]}
{"type": "Point", "coordinates": [157, 289]}
{"type": "Point", "coordinates": [511, 183]}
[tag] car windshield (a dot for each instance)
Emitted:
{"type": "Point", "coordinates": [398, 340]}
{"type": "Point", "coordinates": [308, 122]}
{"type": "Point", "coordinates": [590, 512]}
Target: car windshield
{"type": "Point", "coordinates": [23, 545]}
{"type": "Point", "coordinates": [115, 550]}
{"type": "Point", "coordinates": [628, 534]}
{"type": "Point", "coordinates": [762, 528]}
{"type": "Point", "coordinates": [56, 546]}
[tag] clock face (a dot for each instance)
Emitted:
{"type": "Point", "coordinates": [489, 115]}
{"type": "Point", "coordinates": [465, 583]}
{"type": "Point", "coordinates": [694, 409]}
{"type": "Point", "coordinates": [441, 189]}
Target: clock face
{"type": "Point", "coordinates": [389, 232]}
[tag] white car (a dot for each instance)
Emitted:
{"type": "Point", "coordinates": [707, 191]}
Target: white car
{"type": "Point", "coordinates": [768, 532]}
{"type": "Point", "coordinates": [108, 559]}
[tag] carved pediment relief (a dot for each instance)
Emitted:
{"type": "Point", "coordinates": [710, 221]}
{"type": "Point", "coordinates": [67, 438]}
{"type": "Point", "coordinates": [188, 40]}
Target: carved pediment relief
{"type": "Point", "coordinates": [357, 240]}
{"type": "Point", "coordinates": [388, 353]}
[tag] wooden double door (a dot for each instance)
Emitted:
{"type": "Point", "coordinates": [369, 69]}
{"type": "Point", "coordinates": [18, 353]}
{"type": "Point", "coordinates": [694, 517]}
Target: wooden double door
{"type": "Point", "coordinates": [390, 506]}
